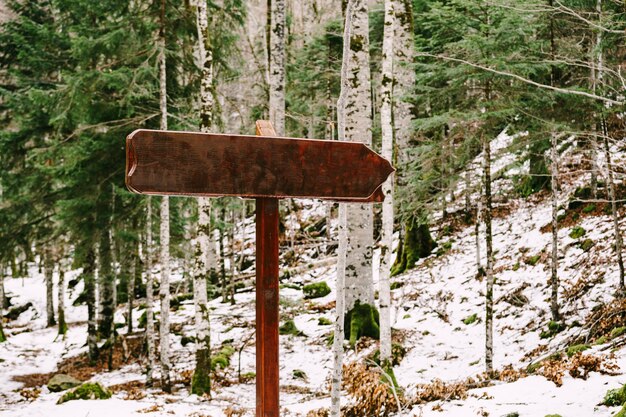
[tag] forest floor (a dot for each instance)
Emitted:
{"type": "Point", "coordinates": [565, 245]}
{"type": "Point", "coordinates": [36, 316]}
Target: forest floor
{"type": "Point", "coordinates": [437, 317]}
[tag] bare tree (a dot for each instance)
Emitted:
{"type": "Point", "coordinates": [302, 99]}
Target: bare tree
{"type": "Point", "coordinates": [277, 65]}
{"type": "Point", "coordinates": [489, 249]}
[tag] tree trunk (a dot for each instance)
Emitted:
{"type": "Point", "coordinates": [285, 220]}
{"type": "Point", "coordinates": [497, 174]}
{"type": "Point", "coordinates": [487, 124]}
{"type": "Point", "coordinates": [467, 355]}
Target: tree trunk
{"type": "Point", "coordinates": [386, 240]}
{"type": "Point", "coordinates": [89, 278]}
{"type": "Point", "coordinates": [340, 300]}
{"type": "Point", "coordinates": [105, 278]}
{"type": "Point", "coordinates": [61, 300]}
{"type": "Point", "coordinates": [554, 280]}
{"type": "Point", "coordinates": [489, 248]}
{"type": "Point", "coordinates": [201, 381]}
{"type": "Point", "coordinates": [614, 213]}
{"type": "Point", "coordinates": [164, 288]}
{"type": "Point", "coordinates": [2, 335]}
{"type": "Point", "coordinates": [357, 127]}
{"type": "Point", "coordinates": [131, 291]}
{"type": "Point", "coordinates": [48, 272]}
{"type": "Point", "coordinates": [150, 336]}
{"type": "Point", "coordinates": [479, 210]}
{"type": "Point", "coordinates": [277, 66]}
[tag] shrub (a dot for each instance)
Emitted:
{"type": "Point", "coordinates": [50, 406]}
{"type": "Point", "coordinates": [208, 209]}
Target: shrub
{"type": "Point", "coordinates": [316, 290]}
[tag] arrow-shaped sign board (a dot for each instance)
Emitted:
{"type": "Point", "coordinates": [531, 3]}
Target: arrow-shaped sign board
{"type": "Point", "coordinates": [265, 167]}
{"type": "Point", "coordinates": [211, 165]}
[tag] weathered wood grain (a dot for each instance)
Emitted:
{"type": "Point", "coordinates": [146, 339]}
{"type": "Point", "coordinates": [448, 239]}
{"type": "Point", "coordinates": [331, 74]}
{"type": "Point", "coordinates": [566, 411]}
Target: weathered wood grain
{"type": "Point", "coordinates": [201, 164]}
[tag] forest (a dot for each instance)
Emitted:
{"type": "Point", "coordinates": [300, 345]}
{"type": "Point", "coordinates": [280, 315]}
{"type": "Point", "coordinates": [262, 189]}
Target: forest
{"type": "Point", "coordinates": [489, 282]}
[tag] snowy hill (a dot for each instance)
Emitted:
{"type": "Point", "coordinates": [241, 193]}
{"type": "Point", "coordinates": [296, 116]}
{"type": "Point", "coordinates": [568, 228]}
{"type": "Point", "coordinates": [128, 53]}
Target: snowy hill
{"type": "Point", "coordinates": [437, 316]}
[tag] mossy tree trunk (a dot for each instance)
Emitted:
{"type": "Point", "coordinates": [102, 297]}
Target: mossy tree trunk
{"type": "Point", "coordinates": [416, 243]}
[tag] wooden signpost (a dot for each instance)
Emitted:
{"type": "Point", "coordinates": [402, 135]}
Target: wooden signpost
{"type": "Point", "coordinates": [267, 168]}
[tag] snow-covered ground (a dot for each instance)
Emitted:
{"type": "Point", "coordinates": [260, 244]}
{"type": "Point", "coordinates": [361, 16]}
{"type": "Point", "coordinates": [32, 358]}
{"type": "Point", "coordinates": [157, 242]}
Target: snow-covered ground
{"type": "Point", "coordinates": [429, 309]}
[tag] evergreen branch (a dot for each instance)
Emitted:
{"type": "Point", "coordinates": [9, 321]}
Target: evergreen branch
{"type": "Point", "coordinates": [522, 79]}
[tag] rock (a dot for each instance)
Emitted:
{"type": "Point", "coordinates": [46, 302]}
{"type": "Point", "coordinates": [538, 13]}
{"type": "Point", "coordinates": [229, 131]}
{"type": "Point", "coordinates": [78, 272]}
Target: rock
{"type": "Point", "coordinates": [62, 382]}
{"type": "Point", "coordinates": [86, 391]}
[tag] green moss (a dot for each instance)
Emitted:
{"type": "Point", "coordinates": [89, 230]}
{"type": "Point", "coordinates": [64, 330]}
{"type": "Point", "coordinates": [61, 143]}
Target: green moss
{"type": "Point", "coordinates": [86, 391]}
{"type": "Point", "coordinates": [615, 397]}
{"type": "Point", "coordinates": [292, 286]}
{"type": "Point", "coordinates": [554, 327]}
{"type": "Point", "coordinates": [316, 290]}
{"type": "Point", "coordinates": [395, 285]}
{"type": "Point", "coordinates": [574, 349]}
{"type": "Point", "coordinates": [532, 260]}
{"type": "Point", "coordinates": [406, 316]}
{"type": "Point", "coordinates": [222, 359]}
{"type": "Point", "coordinates": [299, 374]}
{"type": "Point", "coordinates": [618, 331]}
{"type": "Point", "coordinates": [514, 414]}
{"type": "Point", "coordinates": [553, 415]}
{"type": "Point", "coordinates": [417, 243]}
{"type": "Point", "coordinates": [470, 319]}
{"type": "Point", "coordinates": [577, 232]}
{"type": "Point", "coordinates": [601, 340]}
{"type": "Point", "coordinates": [516, 266]}
{"type": "Point", "coordinates": [586, 244]}
{"type": "Point", "coordinates": [589, 208]}
{"type": "Point", "coordinates": [323, 321]}
{"type": "Point", "coordinates": [362, 320]}
{"type": "Point", "coordinates": [289, 327]}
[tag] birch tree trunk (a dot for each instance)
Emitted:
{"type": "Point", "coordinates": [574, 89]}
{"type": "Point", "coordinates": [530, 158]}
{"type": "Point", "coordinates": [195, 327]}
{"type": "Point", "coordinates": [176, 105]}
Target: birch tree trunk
{"type": "Point", "coordinates": [340, 299]}
{"type": "Point", "coordinates": [150, 340]}
{"type": "Point", "coordinates": [61, 300]}
{"type": "Point", "coordinates": [164, 288]}
{"type": "Point", "coordinates": [131, 290]}
{"type": "Point", "coordinates": [554, 279]}
{"type": "Point", "coordinates": [479, 209]}
{"type": "Point", "coordinates": [48, 273]}
{"type": "Point", "coordinates": [489, 250]}
{"type": "Point", "coordinates": [89, 278]}
{"type": "Point", "coordinates": [357, 127]}
{"type": "Point", "coordinates": [277, 66]}
{"type": "Point", "coordinates": [386, 240]}
{"type": "Point", "coordinates": [201, 381]}
{"type": "Point", "coordinates": [105, 276]}
{"type": "Point", "coordinates": [2, 335]}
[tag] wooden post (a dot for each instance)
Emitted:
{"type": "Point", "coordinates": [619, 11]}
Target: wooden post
{"type": "Point", "coordinates": [267, 371]}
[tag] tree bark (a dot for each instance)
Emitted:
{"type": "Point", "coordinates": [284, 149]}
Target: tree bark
{"type": "Point", "coordinates": [48, 273]}
{"type": "Point", "coordinates": [277, 66]}
{"type": "Point", "coordinates": [358, 128]}
{"type": "Point", "coordinates": [164, 288]}
{"type": "Point", "coordinates": [386, 240]}
{"type": "Point", "coordinates": [340, 299]}
{"type": "Point", "coordinates": [89, 268]}
{"type": "Point", "coordinates": [554, 279]}
{"type": "Point", "coordinates": [489, 249]}
{"type": "Point", "coordinates": [61, 300]}
{"type": "Point", "coordinates": [150, 336]}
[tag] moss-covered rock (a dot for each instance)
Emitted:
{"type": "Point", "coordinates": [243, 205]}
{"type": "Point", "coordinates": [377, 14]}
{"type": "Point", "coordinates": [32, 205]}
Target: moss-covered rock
{"type": "Point", "coordinates": [574, 349]}
{"type": "Point", "coordinates": [299, 374]}
{"type": "Point", "coordinates": [221, 360]}
{"type": "Point", "coordinates": [577, 232]}
{"type": "Point", "coordinates": [62, 382]}
{"type": "Point", "coordinates": [86, 391]}
{"type": "Point", "coordinates": [587, 244]}
{"type": "Point", "coordinates": [589, 208]}
{"type": "Point", "coordinates": [553, 415]}
{"type": "Point", "coordinates": [554, 327]}
{"type": "Point", "coordinates": [615, 397]}
{"type": "Point", "coordinates": [362, 320]}
{"type": "Point", "coordinates": [316, 290]}
{"type": "Point", "coordinates": [289, 327]}
{"type": "Point", "coordinates": [621, 413]}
